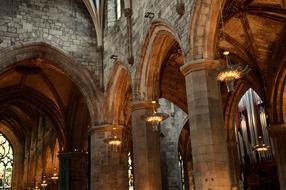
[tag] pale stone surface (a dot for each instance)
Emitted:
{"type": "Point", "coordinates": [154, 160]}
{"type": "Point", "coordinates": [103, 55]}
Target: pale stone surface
{"type": "Point", "coordinates": [146, 153]}
{"type": "Point", "coordinates": [170, 133]}
{"type": "Point", "coordinates": [109, 167]}
{"type": "Point", "coordinates": [209, 148]}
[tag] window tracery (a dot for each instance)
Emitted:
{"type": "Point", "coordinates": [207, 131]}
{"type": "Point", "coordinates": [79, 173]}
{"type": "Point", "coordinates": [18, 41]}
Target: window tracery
{"type": "Point", "coordinates": [6, 163]}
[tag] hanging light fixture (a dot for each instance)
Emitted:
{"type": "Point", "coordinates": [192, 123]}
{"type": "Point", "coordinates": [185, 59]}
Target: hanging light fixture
{"type": "Point", "coordinates": [114, 141]}
{"type": "Point", "coordinates": [55, 176]}
{"type": "Point", "coordinates": [230, 72]}
{"type": "Point", "coordinates": [260, 147]}
{"type": "Point", "coordinates": [44, 183]}
{"type": "Point", "coordinates": [154, 118]}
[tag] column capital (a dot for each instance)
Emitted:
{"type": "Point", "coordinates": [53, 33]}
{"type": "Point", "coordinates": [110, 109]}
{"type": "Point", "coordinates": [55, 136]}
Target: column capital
{"type": "Point", "coordinates": [198, 65]}
{"type": "Point", "coordinates": [277, 129]}
{"type": "Point", "coordinates": [105, 127]}
{"type": "Point", "coordinates": [139, 105]}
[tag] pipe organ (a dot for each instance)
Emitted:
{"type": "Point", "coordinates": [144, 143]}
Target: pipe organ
{"type": "Point", "coordinates": [251, 134]}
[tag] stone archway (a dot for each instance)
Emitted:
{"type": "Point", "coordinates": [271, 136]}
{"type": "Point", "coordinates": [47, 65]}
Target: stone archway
{"type": "Point", "coordinates": [74, 70]}
{"type": "Point", "coordinates": [56, 71]}
{"type": "Point", "coordinates": [156, 51]}
{"type": "Point", "coordinates": [203, 29]}
{"type": "Point", "coordinates": [118, 94]}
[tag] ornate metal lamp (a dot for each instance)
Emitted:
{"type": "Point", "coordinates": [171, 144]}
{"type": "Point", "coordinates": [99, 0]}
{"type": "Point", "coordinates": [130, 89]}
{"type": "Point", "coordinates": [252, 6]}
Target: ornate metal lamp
{"type": "Point", "coordinates": [114, 141]}
{"type": "Point", "coordinates": [44, 183]}
{"type": "Point", "coordinates": [55, 176]}
{"type": "Point", "coordinates": [154, 118]}
{"type": "Point", "coordinates": [260, 146]}
{"type": "Point", "coordinates": [230, 72]}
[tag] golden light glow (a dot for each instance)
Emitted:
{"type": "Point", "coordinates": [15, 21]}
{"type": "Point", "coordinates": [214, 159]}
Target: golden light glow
{"type": "Point", "coordinates": [261, 147]}
{"type": "Point", "coordinates": [154, 118]}
{"type": "Point", "coordinates": [115, 141]}
{"type": "Point", "coordinates": [44, 183]}
{"type": "Point", "coordinates": [229, 74]}
{"type": "Point", "coordinates": [226, 53]}
{"type": "Point", "coordinates": [55, 176]}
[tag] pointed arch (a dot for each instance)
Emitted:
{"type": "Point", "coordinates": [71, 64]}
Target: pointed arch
{"type": "Point", "coordinates": [83, 79]}
{"type": "Point", "coordinates": [159, 40]}
{"type": "Point", "coordinates": [117, 93]}
{"type": "Point", "coordinates": [231, 105]}
{"type": "Point", "coordinates": [278, 95]}
{"type": "Point", "coordinates": [203, 29]}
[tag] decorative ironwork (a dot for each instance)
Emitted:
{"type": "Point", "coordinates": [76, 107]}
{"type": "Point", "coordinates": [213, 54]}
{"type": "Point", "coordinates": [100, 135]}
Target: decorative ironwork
{"type": "Point", "coordinates": [231, 72]}
{"type": "Point", "coordinates": [155, 117]}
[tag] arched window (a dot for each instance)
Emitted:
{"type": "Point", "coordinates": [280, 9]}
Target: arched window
{"type": "Point", "coordinates": [118, 9]}
{"type": "Point", "coordinates": [6, 163]}
{"type": "Point", "coordinates": [182, 172]}
{"type": "Point", "coordinates": [130, 172]}
{"type": "Point", "coordinates": [114, 11]}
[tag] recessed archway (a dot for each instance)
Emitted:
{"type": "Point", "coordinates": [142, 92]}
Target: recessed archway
{"type": "Point", "coordinates": [47, 98]}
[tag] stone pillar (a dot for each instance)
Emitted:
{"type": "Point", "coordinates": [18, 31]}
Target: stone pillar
{"type": "Point", "coordinates": [278, 135]}
{"type": "Point", "coordinates": [73, 170]}
{"type": "Point", "coordinates": [109, 165]}
{"type": "Point", "coordinates": [209, 147]}
{"type": "Point", "coordinates": [234, 163]}
{"type": "Point", "coordinates": [146, 150]}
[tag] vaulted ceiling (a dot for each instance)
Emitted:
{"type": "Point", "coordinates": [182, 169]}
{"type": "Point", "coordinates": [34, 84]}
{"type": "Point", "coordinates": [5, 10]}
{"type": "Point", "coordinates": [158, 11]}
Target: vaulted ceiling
{"type": "Point", "coordinates": [36, 87]}
{"type": "Point", "coordinates": [172, 84]}
{"type": "Point", "coordinates": [252, 29]}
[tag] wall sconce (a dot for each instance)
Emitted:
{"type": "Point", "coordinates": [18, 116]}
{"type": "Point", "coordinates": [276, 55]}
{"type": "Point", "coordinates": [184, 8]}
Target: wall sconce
{"type": "Point", "coordinates": [149, 15]}
{"type": "Point", "coordinates": [114, 57]}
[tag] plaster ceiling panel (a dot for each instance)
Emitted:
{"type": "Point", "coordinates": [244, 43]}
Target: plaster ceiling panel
{"type": "Point", "coordinates": [37, 83]}
{"type": "Point", "coordinates": [11, 79]}
{"type": "Point", "coordinates": [61, 83]}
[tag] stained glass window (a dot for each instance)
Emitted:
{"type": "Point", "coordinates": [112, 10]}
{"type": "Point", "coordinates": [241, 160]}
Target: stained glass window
{"type": "Point", "coordinates": [130, 172]}
{"type": "Point", "coordinates": [182, 172]}
{"type": "Point", "coordinates": [6, 163]}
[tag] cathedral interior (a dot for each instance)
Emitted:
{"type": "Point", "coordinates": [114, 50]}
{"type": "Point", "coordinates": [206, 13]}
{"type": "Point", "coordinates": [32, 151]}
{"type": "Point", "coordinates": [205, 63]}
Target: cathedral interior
{"type": "Point", "coordinates": [142, 94]}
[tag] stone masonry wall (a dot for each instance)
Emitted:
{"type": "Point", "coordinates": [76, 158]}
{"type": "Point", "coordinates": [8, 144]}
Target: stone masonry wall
{"type": "Point", "coordinates": [116, 41]}
{"type": "Point", "coordinates": [64, 24]}
{"type": "Point", "coordinates": [171, 130]}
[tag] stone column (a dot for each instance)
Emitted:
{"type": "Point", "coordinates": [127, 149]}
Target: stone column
{"type": "Point", "coordinates": [277, 133]}
{"type": "Point", "coordinates": [209, 146]}
{"type": "Point", "coordinates": [109, 165]}
{"type": "Point", "coordinates": [73, 170]}
{"type": "Point", "coordinates": [234, 163]}
{"type": "Point", "coordinates": [146, 150]}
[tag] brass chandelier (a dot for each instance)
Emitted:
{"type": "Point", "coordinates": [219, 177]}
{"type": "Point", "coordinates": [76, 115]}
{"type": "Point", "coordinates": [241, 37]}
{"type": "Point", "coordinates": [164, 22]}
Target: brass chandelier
{"type": "Point", "coordinates": [230, 72]}
{"type": "Point", "coordinates": [154, 118]}
{"type": "Point", "coordinates": [260, 146]}
{"type": "Point", "coordinates": [114, 141]}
